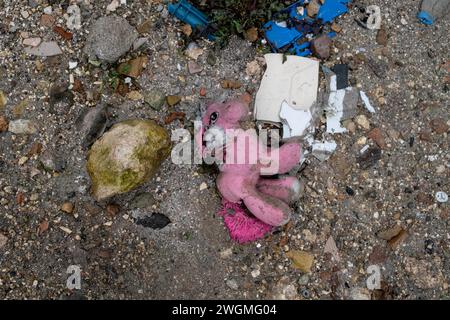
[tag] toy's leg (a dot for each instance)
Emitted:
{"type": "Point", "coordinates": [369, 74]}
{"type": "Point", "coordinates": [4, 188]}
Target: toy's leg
{"type": "Point", "coordinates": [289, 154]}
{"type": "Point", "coordinates": [268, 209]}
{"type": "Point", "coordinates": [285, 188]}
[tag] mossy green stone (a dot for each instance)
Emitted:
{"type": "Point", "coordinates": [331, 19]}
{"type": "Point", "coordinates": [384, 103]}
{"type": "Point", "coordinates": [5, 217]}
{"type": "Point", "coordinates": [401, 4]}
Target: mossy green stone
{"type": "Point", "coordinates": [126, 156]}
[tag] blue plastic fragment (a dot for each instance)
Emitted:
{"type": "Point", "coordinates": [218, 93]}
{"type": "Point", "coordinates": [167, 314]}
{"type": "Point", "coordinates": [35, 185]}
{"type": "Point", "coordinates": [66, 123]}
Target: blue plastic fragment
{"type": "Point", "coordinates": [187, 13]}
{"type": "Point", "coordinates": [289, 38]}
{"type": "Point", "coordinates": [332, 9]}
{"type": "Point", "coordinates": [280, 37]}
{"type": "Point", "coordinates": [425, 18]}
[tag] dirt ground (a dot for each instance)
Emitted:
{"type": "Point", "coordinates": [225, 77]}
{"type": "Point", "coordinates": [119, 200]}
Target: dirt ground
{"type": "Point", "coordinates": [381, 212]}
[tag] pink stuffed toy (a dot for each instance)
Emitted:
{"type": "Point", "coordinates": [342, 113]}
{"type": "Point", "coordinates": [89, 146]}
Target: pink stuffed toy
{"type": "Point", "coordinates": [241, 180]}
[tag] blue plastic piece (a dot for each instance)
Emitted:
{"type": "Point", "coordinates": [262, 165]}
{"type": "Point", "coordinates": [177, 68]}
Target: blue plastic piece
{"type": "Point", "coordinates": [187, 13]}
{"type": "Point", "coordinates": [332, 9]}
{"type": "Point", "coordinates": [299, 24]}
{"type": "Point", "coordinates": [425, 18]}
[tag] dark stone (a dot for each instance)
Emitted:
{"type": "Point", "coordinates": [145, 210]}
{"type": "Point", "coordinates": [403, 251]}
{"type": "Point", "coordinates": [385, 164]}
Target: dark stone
{"type": "Point", "coordinates": [349, 191]}
{"type": "Point", "coordinates": [379, 67]}
{"type": "Point", "coordinates": [155, 221]}
{"type": "Point", "coordinates": [369, 158]}
{"type": "Point", "coordinates": [92, 123]}
{"type": "Point", "coordinates": [429, 246]}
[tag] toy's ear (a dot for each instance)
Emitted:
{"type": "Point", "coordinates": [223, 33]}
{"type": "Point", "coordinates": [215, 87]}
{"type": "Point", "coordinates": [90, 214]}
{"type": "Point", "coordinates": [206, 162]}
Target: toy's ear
{"type": "Point", "coordinates": [237, 111]}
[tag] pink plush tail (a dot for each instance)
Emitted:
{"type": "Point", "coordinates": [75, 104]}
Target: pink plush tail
{"type": "Point", "coordinates": [242, 226]}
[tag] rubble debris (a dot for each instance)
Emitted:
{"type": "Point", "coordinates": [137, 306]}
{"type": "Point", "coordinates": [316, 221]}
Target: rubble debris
{"type": "Point", "coordinates": [331, 248]}
{"type": "Point", "coordinates": [187, 13]}
{"type": "Point", "coordinates": [3, 240]}
{"type": "Point", "coordinates": [155, 221]}
{"type": "Point", "coordinates": [321, 47]}
{"type": "Point", "coordinates": [377, 136]}
{"type": "Point", "coordinates": [112, 163]}
{"type": "Point", "coordinates": [110, 38]}
{"type": "Point", "coordinates": [173, 100]}
{"type": "Point", "coordinates": [295, 82]}
{"type": "Point", "coordinates": [398, 239]}
{"type": "Point", "coordinates": [3, 100]}
{"type": "Point", "coordinates": [22, 126]}
{"type": "Point", "coordinates": [323, 150]}
{"type": "Point", "coordinates": [134, 67]}
{"type": "Point", "coordinates": [340, 106]}
{"type": "Point", "coordinates": [31, 42]}
{"type": "Point", "coordinates": [439, 126]}
{"type": "Point", "coordinates": [230, 84]}
{"type": "Point", "coordinates": [154, 98]}
{"type": "Point", "coordinates": [366, 102]}
{"type": "Point", "coordinates": [3, 124]}
{"type": "Point", "coordinates": [45, 49]}
{"type": "Point", "coordinates": [382, 36]}
{"type": "Point", "coordinates": [432, 10]}
{"type": "Point", "coordinates": [67, 207]}
{"type": "Point", "coordinates": [301, 260]}
{"type": "Point", "coordinates": [295, 122]}
{"type": "Point", "coordinates": [92, 123]}
{"type": "Point", "coordinates": [292, 35]}
{"type": "Point", "coordinates": [176, 115]}
{"type": "Point", "coordinates": [369, 158]}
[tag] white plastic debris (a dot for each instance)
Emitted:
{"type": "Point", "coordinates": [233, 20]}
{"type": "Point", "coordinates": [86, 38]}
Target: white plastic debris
{"type": "Point", "coordinates": [295, 81]}
{"type": "Point", "coordinates": [295, 122]}
{"type": "Point", "coordinates": [73, 64]}
{"type": "Point", "coordinates": [74, 19]}
{"type": "Point", "coordinates": [323, 150]}
{"type": "Point", "coordinates": [366, 101]}
{"type": "Point", "coordinates": [441, 197]}
{"type": "Point", "coordinates": [335, 108]}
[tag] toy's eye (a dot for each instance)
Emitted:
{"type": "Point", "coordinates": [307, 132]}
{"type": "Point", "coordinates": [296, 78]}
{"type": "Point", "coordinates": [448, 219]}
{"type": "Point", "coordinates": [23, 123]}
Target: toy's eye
{"type": "Point", "coordinates": [213, 117]}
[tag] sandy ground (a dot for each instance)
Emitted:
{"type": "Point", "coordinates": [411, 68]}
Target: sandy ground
{"type": "Point", "coordinates": [357, 207]}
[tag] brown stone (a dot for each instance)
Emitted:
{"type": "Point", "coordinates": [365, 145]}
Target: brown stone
{"type": "Point", "coordinates": [186, 29]}
{"type": "Point", "coordinates": [3, 124]}
{"type": "Point", "coordinates": [390, 233]}
{"type": "Point", "coordinates": [173, 100]}
{"type": "Point", "coordinates": [321, 47]}
{"type": "Point", "coordinates": [382, 37]}
{"type": "Point", "coordinates": [398, 239]}
{"type": "Point", "coordinates": [336, 27]}
{"type": "Point", "coordinates": [378, 255]}
{"type": "Point", "coordinates": [425, 135]}
{"type": "Point", "coordinates": [424, 198]}
{"type": "Point", "coordinates": [251, 34]}
{"type": "Point", "coordinates": [35, 149]}
{"type": "Point", "coordinates": [312, 8]}
{"type": "Point", "coordinates": [66, 35]}
{"type": "Point", "coordinates": [439, 126]}
{"type": "Point", "coordinates": [67, 207]}
{"type": "Point", "coordinates": [202, 91]}
{"type": "Point", "coordinates": [231, 84]}
{"type": "Point", "coordinates": [113, 209]}
{"type": "Point", "coordinates": [174, 116]}
{"type": "Point", "coordinates": [47, 20]}
{"type": "Point", "coordinates": [377, 136]}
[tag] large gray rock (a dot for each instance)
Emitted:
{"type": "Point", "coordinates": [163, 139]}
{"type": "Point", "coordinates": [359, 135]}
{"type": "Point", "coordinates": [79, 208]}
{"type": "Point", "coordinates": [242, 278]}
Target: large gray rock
{"type": "Point", "coordinates": [110, 38]}
{"type": "Point", "coordinates": [126, 156]}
